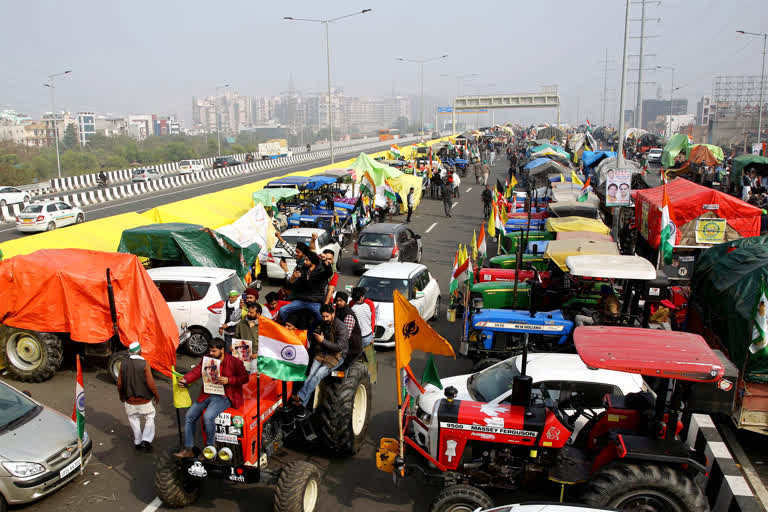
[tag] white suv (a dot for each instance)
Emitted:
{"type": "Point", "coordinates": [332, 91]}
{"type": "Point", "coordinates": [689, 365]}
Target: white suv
{"type": "Point", "coordinates": [196, 297]}
{"type": "Point", "coordinates": [190, 166]}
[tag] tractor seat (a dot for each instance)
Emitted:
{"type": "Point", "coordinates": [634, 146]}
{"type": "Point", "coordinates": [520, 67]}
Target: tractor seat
{"type": "Point", "coordinates": [562, 418]}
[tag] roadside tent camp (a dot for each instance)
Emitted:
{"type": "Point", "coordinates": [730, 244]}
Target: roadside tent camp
{"type": "Point", "coordinates": [691, 204]}
{"type": "Point", "coordinates": [705, 154]}
{"type": "Point", "coordinates": [677, 144]}
{"type": "Point", "coordinates": [401, 182]}
{"type": "Point", "coordinates": [550, 133]}
{"type": "Point", "coordinates": [540, 174]}
{"type": "Point", "coordinates": [553, 147]}
{"type": "Point", "coordinates": [747, 163]}
{"type": "Point", "coordinates": [188, 244]}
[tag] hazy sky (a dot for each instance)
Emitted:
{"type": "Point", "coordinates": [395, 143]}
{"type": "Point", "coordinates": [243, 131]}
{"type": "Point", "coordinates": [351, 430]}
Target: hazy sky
{"type": "Point", "coordinates": [153, 56]}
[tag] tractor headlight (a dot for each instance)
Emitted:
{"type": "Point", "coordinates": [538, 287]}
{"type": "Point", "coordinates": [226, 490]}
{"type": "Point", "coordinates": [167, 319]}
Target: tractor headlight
{"type": "Point", "coordinates": [423, 415]}
{"type": "Point", "coordinates": [477, 303]}
{"type": "Point", "coordinates": [225, 455]}
{"type": "Point", "coordinates": [209, 452]}
{"type": "Point", "coordinates": [474, 336]}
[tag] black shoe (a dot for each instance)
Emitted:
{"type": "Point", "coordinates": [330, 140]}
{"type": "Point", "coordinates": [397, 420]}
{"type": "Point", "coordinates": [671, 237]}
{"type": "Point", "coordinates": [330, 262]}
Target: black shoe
{"type": "Point", "coordinates": [146, 446]}
{"type": "Point", "coordinates": [139, 447]}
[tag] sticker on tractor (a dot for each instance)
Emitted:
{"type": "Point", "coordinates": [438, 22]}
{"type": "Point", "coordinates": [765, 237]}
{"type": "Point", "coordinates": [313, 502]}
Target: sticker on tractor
{"type": "Point", "coordinates": [225, 438]}
{"type": "Point", "coordinates": [490, 430]}
{"type": "Point", "coordinates": [197, 469]}
{"type": "Point", "coordinates": [238, 421]}
{"type": "Point", "coordinates": [223, 419]}
{"type": "Point", "coordinates": [450, 449]}
{"type": "Point", "coordinates": [234, 431]}
{"type": "Point", "coordinates": [725, 384]}
{"type": "Point", "coordinates": [520, 327]}
{"type": "Point", "coordinates": [236, 475]}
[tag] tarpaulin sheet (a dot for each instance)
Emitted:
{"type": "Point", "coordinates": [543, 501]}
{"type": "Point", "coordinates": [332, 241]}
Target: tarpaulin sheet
{"type": "Point", "coordinates": [267, 196]}
{"type": "Point", "coordinates": [592, 158]}
{"type": "Point", "coordinates": [677, 144]}
{"type": "Point", "coordinates": [559, 250]}
{"type": "Point", "coordinates": [378, 171]}
{"type": "Point", "coordinates": [255, 227]}
{"type": "Point", "coordinates": [189, 243]}
{"type": "Point", "coordinates": [100, 235]}
{"type": "Point", "coordinates": [742, 162]}
{"type": "Point", "coordinates": [583, 235]}
{"type": "Point", "coordinates": [535, 163]}
{"type": "Point", "coordinates": [706, 154]}
{"type": "Point", "coordinates": [542, 147]}
{"type": "Point", "coordinates": [725, 288]}
{"type": "Point", "coordinates": [558, 224]}
{"type": "Point", "coordinates": [402, 184]}
{"type": "Point", "coordinates": [689, 201]}
{"type": "Point", "coordinates": [65, 290]}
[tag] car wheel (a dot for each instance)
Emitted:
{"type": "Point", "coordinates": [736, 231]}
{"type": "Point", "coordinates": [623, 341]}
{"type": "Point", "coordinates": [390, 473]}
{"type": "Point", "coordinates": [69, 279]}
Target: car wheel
{"type": "Point", "coordinates": [80, 218]}
{"type": "Point", "coordinates": [51, 226]}
{"type": "Point", "coordinates": [197, 344]}
{"type": "Point", "coordinates": [437, 309]}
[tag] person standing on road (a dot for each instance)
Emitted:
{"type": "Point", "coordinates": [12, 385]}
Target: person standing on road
{"type": "Point", "coordinates": [346, 315]}
{"type": "Point", "coordinates": [229, 317]}
{"type": "Point", "coordinates": [365, 312]}
{"type": "Point", "coordinates": [487, 197]}
{"type": "Point", "coordinates": [447, 192]}
{"type": "Point", "coordinates": [137, 391]}
{"type": "Point", "coordinates": [248, 326]}
{"type": "Point", "coordinates": [486, 170]}
{"type": "Point", "coordinates": [409, 204]}
{"type": "Point", "coordinates": [232, 375]}
{"type": "Point", "coordinates": [456, 185]}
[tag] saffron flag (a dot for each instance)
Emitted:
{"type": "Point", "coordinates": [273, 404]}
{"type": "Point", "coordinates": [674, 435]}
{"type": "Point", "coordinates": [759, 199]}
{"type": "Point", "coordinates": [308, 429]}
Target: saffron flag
{"type": "Point", "coordinates": [584, 194]}
{"type": "Point", "coordinates": [181, 398]}
{"type": "Point", "coordinates": [78, 411]}
{"type": "Point", "coordinates": [492, 222]}
{"type": "Point", "coordinates": [367, 187]}
{"type": "Point", "coordinates": [482, 251]}
{"type": "Point", "coordinates": [668, 228]}
{"type": "Point", "coordinates": [412, 332]}
{"type": "Point", "coordinates": [282, 352]}
{"type": "Point", "coordinates": [760, 329]}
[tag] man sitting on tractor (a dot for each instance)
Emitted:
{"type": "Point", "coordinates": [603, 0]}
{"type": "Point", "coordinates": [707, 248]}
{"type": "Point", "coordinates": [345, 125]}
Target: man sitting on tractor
{"type": "Point", "coordinates": [608, 307]}
{"type": "Point", "coordinates": [232, 375]}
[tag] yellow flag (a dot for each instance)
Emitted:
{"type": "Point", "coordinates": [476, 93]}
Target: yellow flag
{"type": "Point", "coordinates": [474, 245]}
{"type": "Point", "coordinates": [492, 222]}
{"type": "Point", "coordinates": [575, 179]}
{"type": "Point", "coordinates": [562, 178]}
{"type": "Point", "coordinates": [412, 332]}
{"type": "Point", "coordinates": [512, 185]}
{"type": "Point", "coordinates": [181, 398]}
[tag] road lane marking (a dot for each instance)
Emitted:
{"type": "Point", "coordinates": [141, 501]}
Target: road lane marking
{"type": "Point", "coordinates": [154, 505]}
{"type": "Point", "coordinates": [470, 188]}
{"type": "Point", "coordinates": [430, 227]}
{"type": "Point", "coordinates": [454, 204]}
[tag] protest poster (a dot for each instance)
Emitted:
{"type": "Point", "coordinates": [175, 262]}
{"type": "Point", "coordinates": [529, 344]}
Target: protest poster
{"type": "Point", "coordinates": [618, 186]}
{"type": "Point", "coordinates": [211, 374]}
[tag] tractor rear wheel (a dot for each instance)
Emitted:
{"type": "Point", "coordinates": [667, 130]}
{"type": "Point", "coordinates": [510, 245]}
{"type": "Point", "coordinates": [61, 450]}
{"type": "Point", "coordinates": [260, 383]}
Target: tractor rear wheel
{"type": "Point", "coordinates": [460, 498]}
{"type": "Point", "coordinates": [345, 410]}
{"type": "Point", "coordinates": [171, 486]}
{"type": "Point", "coordinates": [298, 488]}
{"type": "Point", "coordinates": [484, 363]}
{"type": "Point", "coordinates": [30, 356]}
{"type": "Point", "coordinates": [647, 487]}
{"type": "Point", "coordinates": [115, 362]}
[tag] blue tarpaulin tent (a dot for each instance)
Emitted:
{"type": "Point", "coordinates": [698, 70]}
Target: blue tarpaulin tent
{"type": "Point", "coordinates": [536, 163]}
{"type": "Point", "coordinates": [592, 158]}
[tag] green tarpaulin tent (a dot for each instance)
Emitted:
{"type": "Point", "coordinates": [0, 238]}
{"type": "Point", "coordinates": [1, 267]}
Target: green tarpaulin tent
{"type": "Point", "coordinates": [267, 196]}
{"type": "Point", "coordinates": [188, 244]}
{"type": "Point", "coordinates": [378, 171]}
{"type": "Point", "coordinates": [725, 288]}
{"type": "Point", "coordinates": [674, 147]}
{"type": "Point", "coordinates": [542, 147]}
{"type": "Point", "coordinates": [742, 162]}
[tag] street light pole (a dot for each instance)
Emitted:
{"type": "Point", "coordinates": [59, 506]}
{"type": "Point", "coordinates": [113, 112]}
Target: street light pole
{"type": "Point", "coordinates": [421, 73]}
{"type": "Point", "coordinates": [326, 22]}
{"type": "Point", "coordinates": [53, 112]}
{"type": "Point", "coordinates": [218, 124]}
{"type": "Point", "coordinates": [762, 82]}
{"type": "Point", "coordinates": [671, 92]}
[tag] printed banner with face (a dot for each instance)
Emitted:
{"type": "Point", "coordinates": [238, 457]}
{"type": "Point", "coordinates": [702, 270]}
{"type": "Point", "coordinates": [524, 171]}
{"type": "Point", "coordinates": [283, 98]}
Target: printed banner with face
{"type": "Point", "coordinates": [243, 350]}
{"type": "Point", "coordinates": [211, 374]}
{"type": "Point", "coordinates": [618, 186]}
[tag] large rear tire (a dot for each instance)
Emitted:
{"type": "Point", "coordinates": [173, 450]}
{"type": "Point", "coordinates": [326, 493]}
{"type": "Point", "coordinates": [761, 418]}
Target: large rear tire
{"type": "Point", "coordinates": [30, 356]}
{"type": "Point", "coordinates": [171, 487]}
{"type": "Point", "coordinates": [298, 488]}
{"type": "Point", "coordinates": [647, 487]}
{"type": "Point", "coordinates": [345, 410]}
{"type": "Point", "coordinates": [460, 498]}
{"type": "Point", "coordinates": [115, 362]}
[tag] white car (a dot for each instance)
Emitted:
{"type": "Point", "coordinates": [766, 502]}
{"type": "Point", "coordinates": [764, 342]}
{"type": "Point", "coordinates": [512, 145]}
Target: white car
{"type": "Point", "coordinates": [294, 236]}
{"type": "Point", "coordinates": [413, 280]}
{"type": "Point", "coordinates": [145, 175]}
{"type": "Point", "coordinates": [195, 296]}
{"type": "Point", "coordinates": [12, 195]}
{"type": "Point", "coordinates": [47, 216]}
{"type": "Point", "coordinates": [190, 166]}
{"type": "Point", "coordinates": [565, 376]}
{"type": "Point", "coordinates": [654, 155]}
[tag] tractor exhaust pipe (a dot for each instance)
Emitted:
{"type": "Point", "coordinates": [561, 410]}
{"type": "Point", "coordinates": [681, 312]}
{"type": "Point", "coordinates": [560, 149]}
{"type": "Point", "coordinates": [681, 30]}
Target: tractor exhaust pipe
{"type": "Point", "coordinates": [522, 384]}
{"type": "Point", "coordinates": [112, 308]}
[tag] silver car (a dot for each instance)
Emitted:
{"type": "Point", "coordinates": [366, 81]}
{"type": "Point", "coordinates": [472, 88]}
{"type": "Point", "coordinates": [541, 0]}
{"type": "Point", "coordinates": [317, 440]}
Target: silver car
{"type": "Point", "coordinates": [386, 242]}
{"type": "Point", "coordinates": [38, 448]}
{"type": "Point", "coordinates": [147, 174]}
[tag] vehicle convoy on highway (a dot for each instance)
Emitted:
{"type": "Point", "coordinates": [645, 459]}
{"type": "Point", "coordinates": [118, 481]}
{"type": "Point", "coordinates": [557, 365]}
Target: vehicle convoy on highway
{"type": "Point", "coordinates": [627, 457]}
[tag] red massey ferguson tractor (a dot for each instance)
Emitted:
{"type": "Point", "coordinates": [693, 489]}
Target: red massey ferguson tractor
{"type": "Point", "coordinates": [247, 438]}
{"type": "Point", "coordinates": [628, 457]}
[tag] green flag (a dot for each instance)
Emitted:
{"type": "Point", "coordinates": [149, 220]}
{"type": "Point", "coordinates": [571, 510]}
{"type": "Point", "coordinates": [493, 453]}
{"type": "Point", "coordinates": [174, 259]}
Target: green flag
{"type": "Point", "coordinates": [430, 375]}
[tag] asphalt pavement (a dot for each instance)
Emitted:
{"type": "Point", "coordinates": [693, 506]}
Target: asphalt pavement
{"type": "Point", "coordinates": [120, 479]}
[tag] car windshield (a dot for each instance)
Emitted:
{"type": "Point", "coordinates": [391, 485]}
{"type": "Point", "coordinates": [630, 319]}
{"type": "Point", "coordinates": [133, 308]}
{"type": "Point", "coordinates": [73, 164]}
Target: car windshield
{"type": "Point", "coordinates": [295, 239]}
{"type": "Point", "coordinates": [380, 289]}
{"type": "Point", "coordinates": [139, 171]}
{"type": "Point", "coordinates": [33, 208]}
{"type": "Point", "coordinates": [185, 162]}
{"type": "Point", "coordinates": [376, 240]}
{"type": "Point", "coordinates": [14, 407]}
{"type": "Point", "coordinates": [229, 284]}
{"type": "Point", "coordinates": [492, 382]}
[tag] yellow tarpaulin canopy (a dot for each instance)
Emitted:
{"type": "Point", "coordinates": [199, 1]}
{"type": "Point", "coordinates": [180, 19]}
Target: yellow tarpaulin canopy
{"type": "Point", "coordinates": [576, 224]}
{"type": "Point", "coordinates": [558, 250]}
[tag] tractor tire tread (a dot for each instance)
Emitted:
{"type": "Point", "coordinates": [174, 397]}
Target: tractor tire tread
{"type": "Point", "coordinates": [334, 414]}
{"type": "Point", "coordinates": [54, 356]}
{"type": "Point", "coordinates": [289, 491]}
{"type": "Point", "coordinates": [460, 494]}
{"type": "Point", "coordinates": [169, 486]}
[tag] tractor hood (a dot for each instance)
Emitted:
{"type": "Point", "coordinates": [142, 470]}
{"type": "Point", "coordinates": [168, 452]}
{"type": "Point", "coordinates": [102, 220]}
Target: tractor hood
{"type": "Point", "coordinates": [507, 320]}
{"type": "Point", "coordinates": [433, 394]}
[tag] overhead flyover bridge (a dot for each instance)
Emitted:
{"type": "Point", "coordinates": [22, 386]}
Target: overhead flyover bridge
{"type": "Point", "coordinates": [549, 98]}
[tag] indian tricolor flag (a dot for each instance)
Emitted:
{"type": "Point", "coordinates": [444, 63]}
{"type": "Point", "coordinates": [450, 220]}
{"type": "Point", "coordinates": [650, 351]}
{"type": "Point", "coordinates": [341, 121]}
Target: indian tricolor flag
{"type": "Point", "coordinates": [668, 228]}
{"type": "Point", "coordinates": [589, 125]}
{"type": "Point", "coordinates": [367, 187]}
{"type": "Point", "coordinates": [395, 150]}
{"type": "Point", "coordinates": [584, 194]}
{"type": "Point", "coordinates": [482, 250]}
{"type": "Point", "coordinates": [78, 411]}
{"type": "Point", "coordinates": [282, 352]}
{"type": "Point", "coordinates": [389, 192]}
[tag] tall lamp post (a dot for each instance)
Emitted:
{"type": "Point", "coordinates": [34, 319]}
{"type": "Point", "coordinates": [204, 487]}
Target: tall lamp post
{"type": "Point", "coordinates": [328, 64]}
{"type": "Point", "coordinates": [218, 124]}
{"type": "Point", "coordinates": [421, 75]}
{"type": "Point", "coordinates": [762, 82]}
{"type": "Point", "coordinates": [53, 111]}
{"type": "Point", "coordinates": [671, 92]}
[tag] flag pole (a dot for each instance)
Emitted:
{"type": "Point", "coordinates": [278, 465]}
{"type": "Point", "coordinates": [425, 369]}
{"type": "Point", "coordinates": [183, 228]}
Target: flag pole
{"type": "Point", "coordinates": [79, 438]}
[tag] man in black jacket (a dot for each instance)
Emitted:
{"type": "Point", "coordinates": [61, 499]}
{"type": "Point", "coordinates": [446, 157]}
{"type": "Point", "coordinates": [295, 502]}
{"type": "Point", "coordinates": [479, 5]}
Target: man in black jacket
{"type": "Point", "coordinates": [137, 390]}
{"type": "Point", "coordinates": [346, 315]}
{"type": "Point", "coordinates": [307, 286]}
{"type": "Point", "coordinates": [331, 344]}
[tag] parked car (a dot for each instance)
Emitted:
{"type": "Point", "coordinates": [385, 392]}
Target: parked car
{"type": "Point", "coordinates": [195, 296]}
{"type": "Point", "coordinates": [413, 280]}
{"type": "Point", "coordinates": [12, 195]}
{"type": "Point", "coordinates": [294, 236]}
{"type": "Point", "coordinates": [382, 242]}
{"type": "Point", "coordinates": [38, 448]}
{"type": "Point", "coordinates": [190, 166]}
{"type": "Point", "coordinates": [47, 216]}
{"type": "Point", "coordinates": [565, 376]}
{"type": "Point", "coordinates": [145, 175]}
{"type": "Point", "coordinates": [225, 161]}
{"type": "Point", "coordinates": [654, 155]}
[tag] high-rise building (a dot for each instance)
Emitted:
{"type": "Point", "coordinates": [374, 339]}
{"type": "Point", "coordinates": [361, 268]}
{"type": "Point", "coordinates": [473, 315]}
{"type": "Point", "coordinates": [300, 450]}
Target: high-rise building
{"type": "Point", "coordinates": [86, 126]}
{"type": "Point", "coordinates": [234, 113]}
{"type": "Point", "coordinates": [62, 121]}
{"type": "Point", "coordinates": [705, 110]}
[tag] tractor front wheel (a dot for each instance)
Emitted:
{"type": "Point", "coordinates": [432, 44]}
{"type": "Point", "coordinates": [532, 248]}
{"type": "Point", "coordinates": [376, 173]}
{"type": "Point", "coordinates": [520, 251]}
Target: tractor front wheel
{"type": "Point", "coordinates": [345, 410]}
{"type": "Point", "coordinates": [171, 485]}
{"type": "Point", "coordinates": [646, 487]}
{"type": "Point", "coordinates": [461, 498]}
{"type": "Point", "coordinates": [298, 488]}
